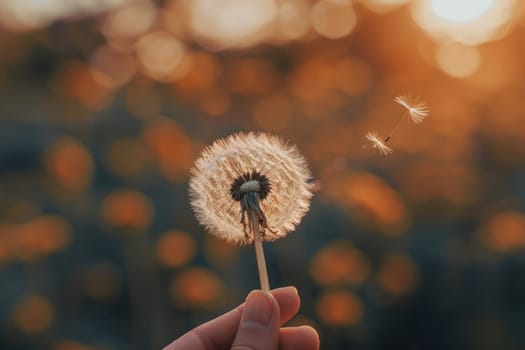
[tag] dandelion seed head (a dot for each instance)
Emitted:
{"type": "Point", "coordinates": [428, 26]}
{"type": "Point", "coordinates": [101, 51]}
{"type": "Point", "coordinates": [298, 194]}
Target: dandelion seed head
{"type": "Point", "coordinates": [250, 162]}
{"type": "Point", "coordinates": [417, 110]}
{"type": "Point", "coordinates": [378, 144]}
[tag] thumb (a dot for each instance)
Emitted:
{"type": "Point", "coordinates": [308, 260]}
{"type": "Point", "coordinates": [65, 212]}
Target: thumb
{"type": "Point", "coordinates": [259, 325]}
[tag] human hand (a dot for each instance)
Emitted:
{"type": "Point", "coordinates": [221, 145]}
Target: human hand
{"type": "Point", "coordinates": [253, 325]}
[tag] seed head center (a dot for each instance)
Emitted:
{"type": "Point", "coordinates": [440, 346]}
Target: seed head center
{"type": "Point", "coordinates": [250, 182]}
{"type": "Point", "coordinates": [251, 186]}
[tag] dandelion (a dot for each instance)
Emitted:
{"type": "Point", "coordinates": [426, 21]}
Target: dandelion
{"type": "Point", "coordinates": [379, 144]}
{"type": "Point", "coordinates": [417, 111]}
{"type": "Point", "coordinates": [249, 188]}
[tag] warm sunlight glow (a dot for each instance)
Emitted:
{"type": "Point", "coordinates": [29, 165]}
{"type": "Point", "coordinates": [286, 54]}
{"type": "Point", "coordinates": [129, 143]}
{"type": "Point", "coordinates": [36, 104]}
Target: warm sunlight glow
{"type": "Point", "coordinates": [333, 19]}
{"type": "Point", "coordinates": [381, 6]}
{"type": "Point", "coordinates": [232, 23]}
{"type": "Point", "coordinates": [458, 61]}
{"type": "Point", "coordinates": [460, 11]}
{"type": "Point", "coordinates": [470, 22]}
{"type": "Point", "coordinates": [30, 14]}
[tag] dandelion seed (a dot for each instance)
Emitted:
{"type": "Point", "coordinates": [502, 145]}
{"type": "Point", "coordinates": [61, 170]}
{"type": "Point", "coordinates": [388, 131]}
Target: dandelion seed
{"type": "Point", "coordinates": [250, 187]}
{"type": "Point", "coordinates": [417, 111]}
{"type": "Point", "coordinates": [378, 144]}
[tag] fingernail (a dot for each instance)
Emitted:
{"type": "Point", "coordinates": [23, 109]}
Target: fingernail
{"type": "Point", "coordinates": [259, 308]}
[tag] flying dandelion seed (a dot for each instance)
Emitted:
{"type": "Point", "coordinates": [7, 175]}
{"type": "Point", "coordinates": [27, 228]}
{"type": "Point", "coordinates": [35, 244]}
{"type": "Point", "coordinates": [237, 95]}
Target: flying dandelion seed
{"type": "Point", "coordinates": [417, 111]}
{"type": "Point", "coordinates": [251, 187]}
{"type": "Point", "coordinates": [378, 144]}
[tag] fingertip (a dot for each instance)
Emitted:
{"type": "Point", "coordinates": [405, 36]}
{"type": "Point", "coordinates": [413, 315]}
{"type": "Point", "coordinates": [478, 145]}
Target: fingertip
{"type": "Point", "coordinates": [259, 325]}
{"type": "Point", "coordinates": [262, 307]}
{"type": "Point", "coordinates": [310, 333]}
{"type": "Point", "coordinates": [301, 337]}
{"type": "Point", "coordinates": [293, 289]}
{"type": "Point", "coordinates": [287, 295]}
{"type": "Point", "coordinates": [289, 302]}
{"type": "Point", "coordinates": [258, 293]}
{"type": "Point", "coordinates": [287, 289]}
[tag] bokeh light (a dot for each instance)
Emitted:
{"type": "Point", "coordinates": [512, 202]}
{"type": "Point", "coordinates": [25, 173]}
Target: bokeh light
{"type": "Point", "coordinates": [198, 288]}
{"type": "Point", "coordinates": [124, 25]}
{"type": "Point", "coordinates": [333, 18]}
{"type": "Point", "coordinates": [26, 15]}
{"type": "Point", "coordinates": [232, 23]}
{"type": "Point", "coordinates": [70, 164]}
{"type": "Point", "coordinates": [170, 146]}
{"type": "Point", "coordinates": [461, 11]}
{"type": "Point", "coordinates": [201, 78]}
{"type": "Point", "coordinates": [34, 239]}
{"type": "Point", "coordinates": [162, 56]}
{"type": "Point", "coordinates": [338, 263]}
{"type": "Point", "coordinates": [111, 68]}
{"type": "Point", "coordinates": [398, 275]}
{"type": "Point", "coordinates": [175, 248]}
{"type": "Point", "coordinates": [371, 200]}
{"type": "Point", "coordinates": [40, 237]}
{"type": "Point", "coordinates": [293, 19]}
{"type": "Point", "coordinates": [382, 6]}
{"type": "Point", "coordinates": [339, 308]}
{"type": "Point", "coordinates": [457, 60]}
{"type": "Point", "coordinates": [468, 22]}
{"type": "Point", "coordinates": [33, 314]}
{"type": "Point", "coordinates": [76, 79]}
{"type": "Point", "coordinates": [127, 209]}
{"type": "Point", "coordinates": [504, 232]}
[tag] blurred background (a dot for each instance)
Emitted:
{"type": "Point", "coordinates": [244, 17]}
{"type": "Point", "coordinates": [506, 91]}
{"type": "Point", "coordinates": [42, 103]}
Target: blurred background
{"type": "Point", "coordinates": [104, 105]}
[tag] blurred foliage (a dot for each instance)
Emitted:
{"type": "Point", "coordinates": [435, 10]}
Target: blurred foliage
{"type": "Point", "coordinates": [105, 105]}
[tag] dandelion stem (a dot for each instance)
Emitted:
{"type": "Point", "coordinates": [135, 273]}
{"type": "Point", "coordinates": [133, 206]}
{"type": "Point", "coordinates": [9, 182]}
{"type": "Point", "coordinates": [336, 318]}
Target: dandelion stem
{"type": "Point", "coordinates": [259, 252]}
{"type": "Point", "coordinates": [394, 128]}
